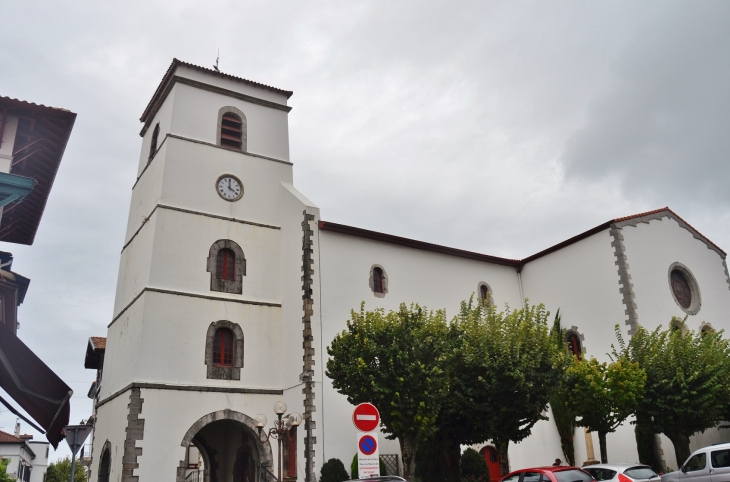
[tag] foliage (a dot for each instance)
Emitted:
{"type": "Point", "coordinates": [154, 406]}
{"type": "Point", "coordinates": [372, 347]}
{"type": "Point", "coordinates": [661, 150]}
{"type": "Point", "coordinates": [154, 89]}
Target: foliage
{"type": "Point", "coordinates": [333, 471]}
{"type": "Point", "coordinates": [603, 395]}
{"type": "Point", "coordinates": [4, 477]}
{"type": "Point", "coordinates": [60, 471]}
{"type": "Point", "coordinates": [394, 361]}
{"type": "Point", "coordinates": [473, 466]}
{"type": "Point", "coordinates": [687, 381]}
{"type": "Point", "coordinates": [563, 416]}
{"type": "Point", "coordinates": [503, 371]}
{"type": "Point", "coordinates": [354, 471]}
{"type": "Point", "coordinates": [430, 461]}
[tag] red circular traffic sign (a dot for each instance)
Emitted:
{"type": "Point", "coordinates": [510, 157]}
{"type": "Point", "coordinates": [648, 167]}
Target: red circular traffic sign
{"type": "Point", "coordinates": [366, 417]}
{"type": "Point", "coordinates": [368, 445]}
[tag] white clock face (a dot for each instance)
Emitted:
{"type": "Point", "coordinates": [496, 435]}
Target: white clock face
{"type": "Point", "coordinates": [229, 188]}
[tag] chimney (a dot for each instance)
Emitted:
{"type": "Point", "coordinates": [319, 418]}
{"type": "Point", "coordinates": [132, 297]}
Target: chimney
{"type": "Point", "coordinates": [17, 429]}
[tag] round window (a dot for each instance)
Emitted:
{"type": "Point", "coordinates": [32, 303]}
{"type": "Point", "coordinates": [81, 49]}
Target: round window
{"type": "Point", "coordinates": [684, 288]}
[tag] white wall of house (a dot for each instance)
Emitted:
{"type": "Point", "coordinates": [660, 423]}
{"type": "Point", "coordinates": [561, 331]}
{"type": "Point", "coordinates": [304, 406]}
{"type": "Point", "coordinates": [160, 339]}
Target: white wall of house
{"type": "Point", "coordinates": [18, 454]}
{"type": "Point", "coordinates": [40, 462]}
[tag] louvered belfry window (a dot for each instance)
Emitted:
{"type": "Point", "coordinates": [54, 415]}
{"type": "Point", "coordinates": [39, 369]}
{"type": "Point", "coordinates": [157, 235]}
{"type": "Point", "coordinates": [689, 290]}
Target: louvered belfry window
{"type": "Point", "coordinates": [226, 269]}
{"type": "Point", "coordinates": [574, 345]}
{"type": "Point", "coordinates": [223, 348]}
{"type": "Point", "coordinates": [231, 131]}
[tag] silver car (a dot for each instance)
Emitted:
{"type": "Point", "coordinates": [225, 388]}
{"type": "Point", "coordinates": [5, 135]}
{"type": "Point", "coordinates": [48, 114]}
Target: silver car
{"type": "Point", "coordinates": [708, 464]}
{"type": "Point", "coordinates": [622, 472]}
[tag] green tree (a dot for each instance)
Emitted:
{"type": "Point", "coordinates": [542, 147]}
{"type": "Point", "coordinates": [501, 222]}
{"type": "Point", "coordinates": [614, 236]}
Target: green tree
{"type": "Point", "coordinates": [503, 372]}
{"type": "Point", "coordinates": [60, 471]}
{"type": "Point", "coordinates": [563, 416]}
{"type": "Point", "coordinates": [4, 477]}
{"type": "Point", "coordinates": [603, 395]}
{"type": "Point", "coordinates": [393, 361]}
{"type": "Point", "coordinates": [687, 381]}
{"type": "Point", "coordinates": [333, 471]}
{"type": "Point", "coordinates": [473, 466]}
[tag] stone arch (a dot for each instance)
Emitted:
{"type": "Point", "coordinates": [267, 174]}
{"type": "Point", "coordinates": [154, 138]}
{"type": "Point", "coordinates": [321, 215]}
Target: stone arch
{"type": "Point", "coordinates": [226, 286]}
{"type": "Point", "coordinates": [224, 373]}
{"type": "Point", "coordinates": [384, 281]}
{"type": "Point", "coordinates": [244, 126]}
{"type": "Point", "coordinates": [105, 462]}
{"type": "Point", "coordinates": [706, 327]}
{"type": "Point", "coordinates": [480, 290]}
{"type": "Point", "coordinates": [266, 457]}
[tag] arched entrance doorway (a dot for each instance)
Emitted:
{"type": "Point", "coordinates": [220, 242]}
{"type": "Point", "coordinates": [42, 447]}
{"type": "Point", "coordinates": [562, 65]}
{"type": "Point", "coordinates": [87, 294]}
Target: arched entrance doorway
{"type": "Point", "coordinates": [492, 458]}
{"type": "Point", "coordinates": [105, 462]}
{"type": "Point", "coordinates": [230, 450]}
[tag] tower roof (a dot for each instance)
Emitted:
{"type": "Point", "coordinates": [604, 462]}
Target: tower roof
{"type": "Point", "coordinates": [160, 92]}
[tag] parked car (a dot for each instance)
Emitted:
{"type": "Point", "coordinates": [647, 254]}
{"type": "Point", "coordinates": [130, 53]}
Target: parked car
{"type": "Point", "coordinates": [708, 464]}
{"type": "Point", "coordinates": [622, 472]}
{"type": "Point", "coordinates": [558, 473]}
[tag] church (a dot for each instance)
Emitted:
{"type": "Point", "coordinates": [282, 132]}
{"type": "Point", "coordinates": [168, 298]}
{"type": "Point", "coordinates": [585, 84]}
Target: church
{"type": "Point", "coordinates": [231, 286]}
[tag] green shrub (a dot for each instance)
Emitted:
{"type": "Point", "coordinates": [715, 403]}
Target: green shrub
{"type": "Point", "coordinates": [473, 466]}
{"type": "Point", "coordinates": [333, 471]}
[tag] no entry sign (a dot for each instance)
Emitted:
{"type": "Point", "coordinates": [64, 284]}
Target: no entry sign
{"type": "Point", "coordinates": [366, 417]}
{"type": "Point", "coordinates": [368, 459]}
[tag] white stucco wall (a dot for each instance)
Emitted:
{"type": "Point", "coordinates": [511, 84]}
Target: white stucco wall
{"type": "Point", "coordinates": [40, 462]}
{"type": "Point", "coordinates": [414, 276]}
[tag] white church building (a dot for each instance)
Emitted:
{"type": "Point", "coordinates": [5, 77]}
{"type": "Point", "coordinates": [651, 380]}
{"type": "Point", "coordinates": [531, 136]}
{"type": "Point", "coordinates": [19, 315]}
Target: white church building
{"type": "Point", "coordinates": [231, 287]}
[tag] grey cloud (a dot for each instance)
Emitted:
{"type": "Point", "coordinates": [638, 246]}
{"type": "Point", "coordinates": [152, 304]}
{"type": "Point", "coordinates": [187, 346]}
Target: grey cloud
{"type": "Point", "coordinates": [662, 126]}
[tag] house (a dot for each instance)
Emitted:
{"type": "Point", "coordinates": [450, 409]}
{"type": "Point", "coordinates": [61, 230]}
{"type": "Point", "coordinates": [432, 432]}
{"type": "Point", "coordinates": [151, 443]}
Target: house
{"type": "Point", "coordinates": [33, 138]}
{"type": "Point", "coordinates": [28, 458]}
{"type": "Point", "coordinates": [231, 287]}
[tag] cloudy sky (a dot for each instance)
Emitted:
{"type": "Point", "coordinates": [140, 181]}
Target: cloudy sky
{"type": "Point", "coordinates": [500, 127]}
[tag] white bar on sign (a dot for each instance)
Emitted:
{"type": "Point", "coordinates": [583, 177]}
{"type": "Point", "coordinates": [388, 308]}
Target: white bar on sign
{"type": "Point", "coordinates": [365, 417]}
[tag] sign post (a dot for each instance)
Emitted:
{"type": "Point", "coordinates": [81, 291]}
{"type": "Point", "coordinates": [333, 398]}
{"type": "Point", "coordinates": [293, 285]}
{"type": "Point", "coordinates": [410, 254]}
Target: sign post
{"type": "Point", "coordinates": [76, 436]}
{"type": "Point", "coordinates": [366, 419]}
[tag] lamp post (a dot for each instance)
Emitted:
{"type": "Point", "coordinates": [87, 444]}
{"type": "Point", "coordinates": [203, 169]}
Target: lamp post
{"type": "Point", "coordinates": [281, 426]}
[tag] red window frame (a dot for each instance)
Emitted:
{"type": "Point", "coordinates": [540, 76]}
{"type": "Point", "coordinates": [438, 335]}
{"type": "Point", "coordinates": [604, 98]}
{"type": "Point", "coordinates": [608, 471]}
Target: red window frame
{"type": "Point", "coordinates": [226, 265]}
{"type": "Point", "coordinates": [574, 345]}
{"type": "Point", "coordinates": [223, 348]}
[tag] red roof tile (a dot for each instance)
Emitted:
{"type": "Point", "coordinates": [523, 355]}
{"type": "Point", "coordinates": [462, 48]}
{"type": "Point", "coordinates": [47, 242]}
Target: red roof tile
{"type": "Point", "coordinates": [99, 342]}
{"type": "Point", "coordinates": [6, 438]}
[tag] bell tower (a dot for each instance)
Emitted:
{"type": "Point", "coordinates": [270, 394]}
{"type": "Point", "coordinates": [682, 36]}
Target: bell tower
{"type": "Point", "coordinates": [207, 325]}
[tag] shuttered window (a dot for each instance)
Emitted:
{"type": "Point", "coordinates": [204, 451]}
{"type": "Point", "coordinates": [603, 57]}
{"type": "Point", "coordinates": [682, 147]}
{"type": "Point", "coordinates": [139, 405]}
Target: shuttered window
{"type": "Point", "coordinates": [223, 348]}
{"type": "Point", "coordinates": [231, 131]}
{"type": "Point", "coordinates": [226, 269]}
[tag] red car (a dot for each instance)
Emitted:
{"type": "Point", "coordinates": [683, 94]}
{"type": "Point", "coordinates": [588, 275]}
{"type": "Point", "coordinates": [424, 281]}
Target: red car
{"type": "Point", "coordinates": [560, 473]}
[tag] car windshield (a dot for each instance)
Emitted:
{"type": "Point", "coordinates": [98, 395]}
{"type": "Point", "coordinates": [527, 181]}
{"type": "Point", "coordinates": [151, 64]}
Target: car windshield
{"type": "Point", "coordinates": [572, 475]}
{"type": "Point", "coordinates": [601, 474]}
{"type": "Point", "coordinates": [637, 473]}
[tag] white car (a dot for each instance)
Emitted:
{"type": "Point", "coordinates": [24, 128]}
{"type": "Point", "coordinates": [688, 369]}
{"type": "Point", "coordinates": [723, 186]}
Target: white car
{"type": "Point", "coordinates": [622, 472]}
{"type": "Point", "coordinates": [708, 464]}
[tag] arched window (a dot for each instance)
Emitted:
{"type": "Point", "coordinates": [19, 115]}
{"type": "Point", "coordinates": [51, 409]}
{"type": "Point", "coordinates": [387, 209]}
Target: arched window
{"type": "Point", "coordinates": [226, 265]}
{"type": "Point", "coordinates": [574, 345]}
{"type": "Point", "coordinates": [153, 142]}
{"type": "Point", "coordinates": [485, 293]}
{"type": "Point", "coordinates": [223, 348]}
{"type": "Point", "coordinates": [231, 131]}
{"type": "Point", "coordinates": [378, 280]}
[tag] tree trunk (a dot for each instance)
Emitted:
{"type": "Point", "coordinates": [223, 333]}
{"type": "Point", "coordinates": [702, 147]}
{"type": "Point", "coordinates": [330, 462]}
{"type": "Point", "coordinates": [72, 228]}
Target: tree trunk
{"type": "Point", "coordinates": [503, 456]}
{"type": "Point", "coordinates": [602, 443]}
{"type": "Point", "coordinates": [452, 458]}
{"type": "Point", "coordinates": [408, 455]}
{"type": "Point", "coordinates": [681, 447]}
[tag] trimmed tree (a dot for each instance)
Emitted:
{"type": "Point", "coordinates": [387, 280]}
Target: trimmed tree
{"type": "Point", "coordinates": [60, 471]}
{"type": "Point", "coordinates": [603, 395]}
{"type": "Point", "coordinates": [503, 372]}
{"type": "Point", "coordinates": [473, 466]}
{"type": "Point", "coordinates": [393, 361]}
{"type": "Point", "coordinates": [563, 416]}
{"type": "Point", "coordinates": [687, 381]}
{"type": "Point", "coordinates": [333, 471]}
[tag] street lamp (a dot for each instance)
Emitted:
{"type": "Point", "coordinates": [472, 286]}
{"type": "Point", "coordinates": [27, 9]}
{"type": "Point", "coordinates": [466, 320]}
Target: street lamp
{"type": "Point", "coordinates": [281, 426]}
